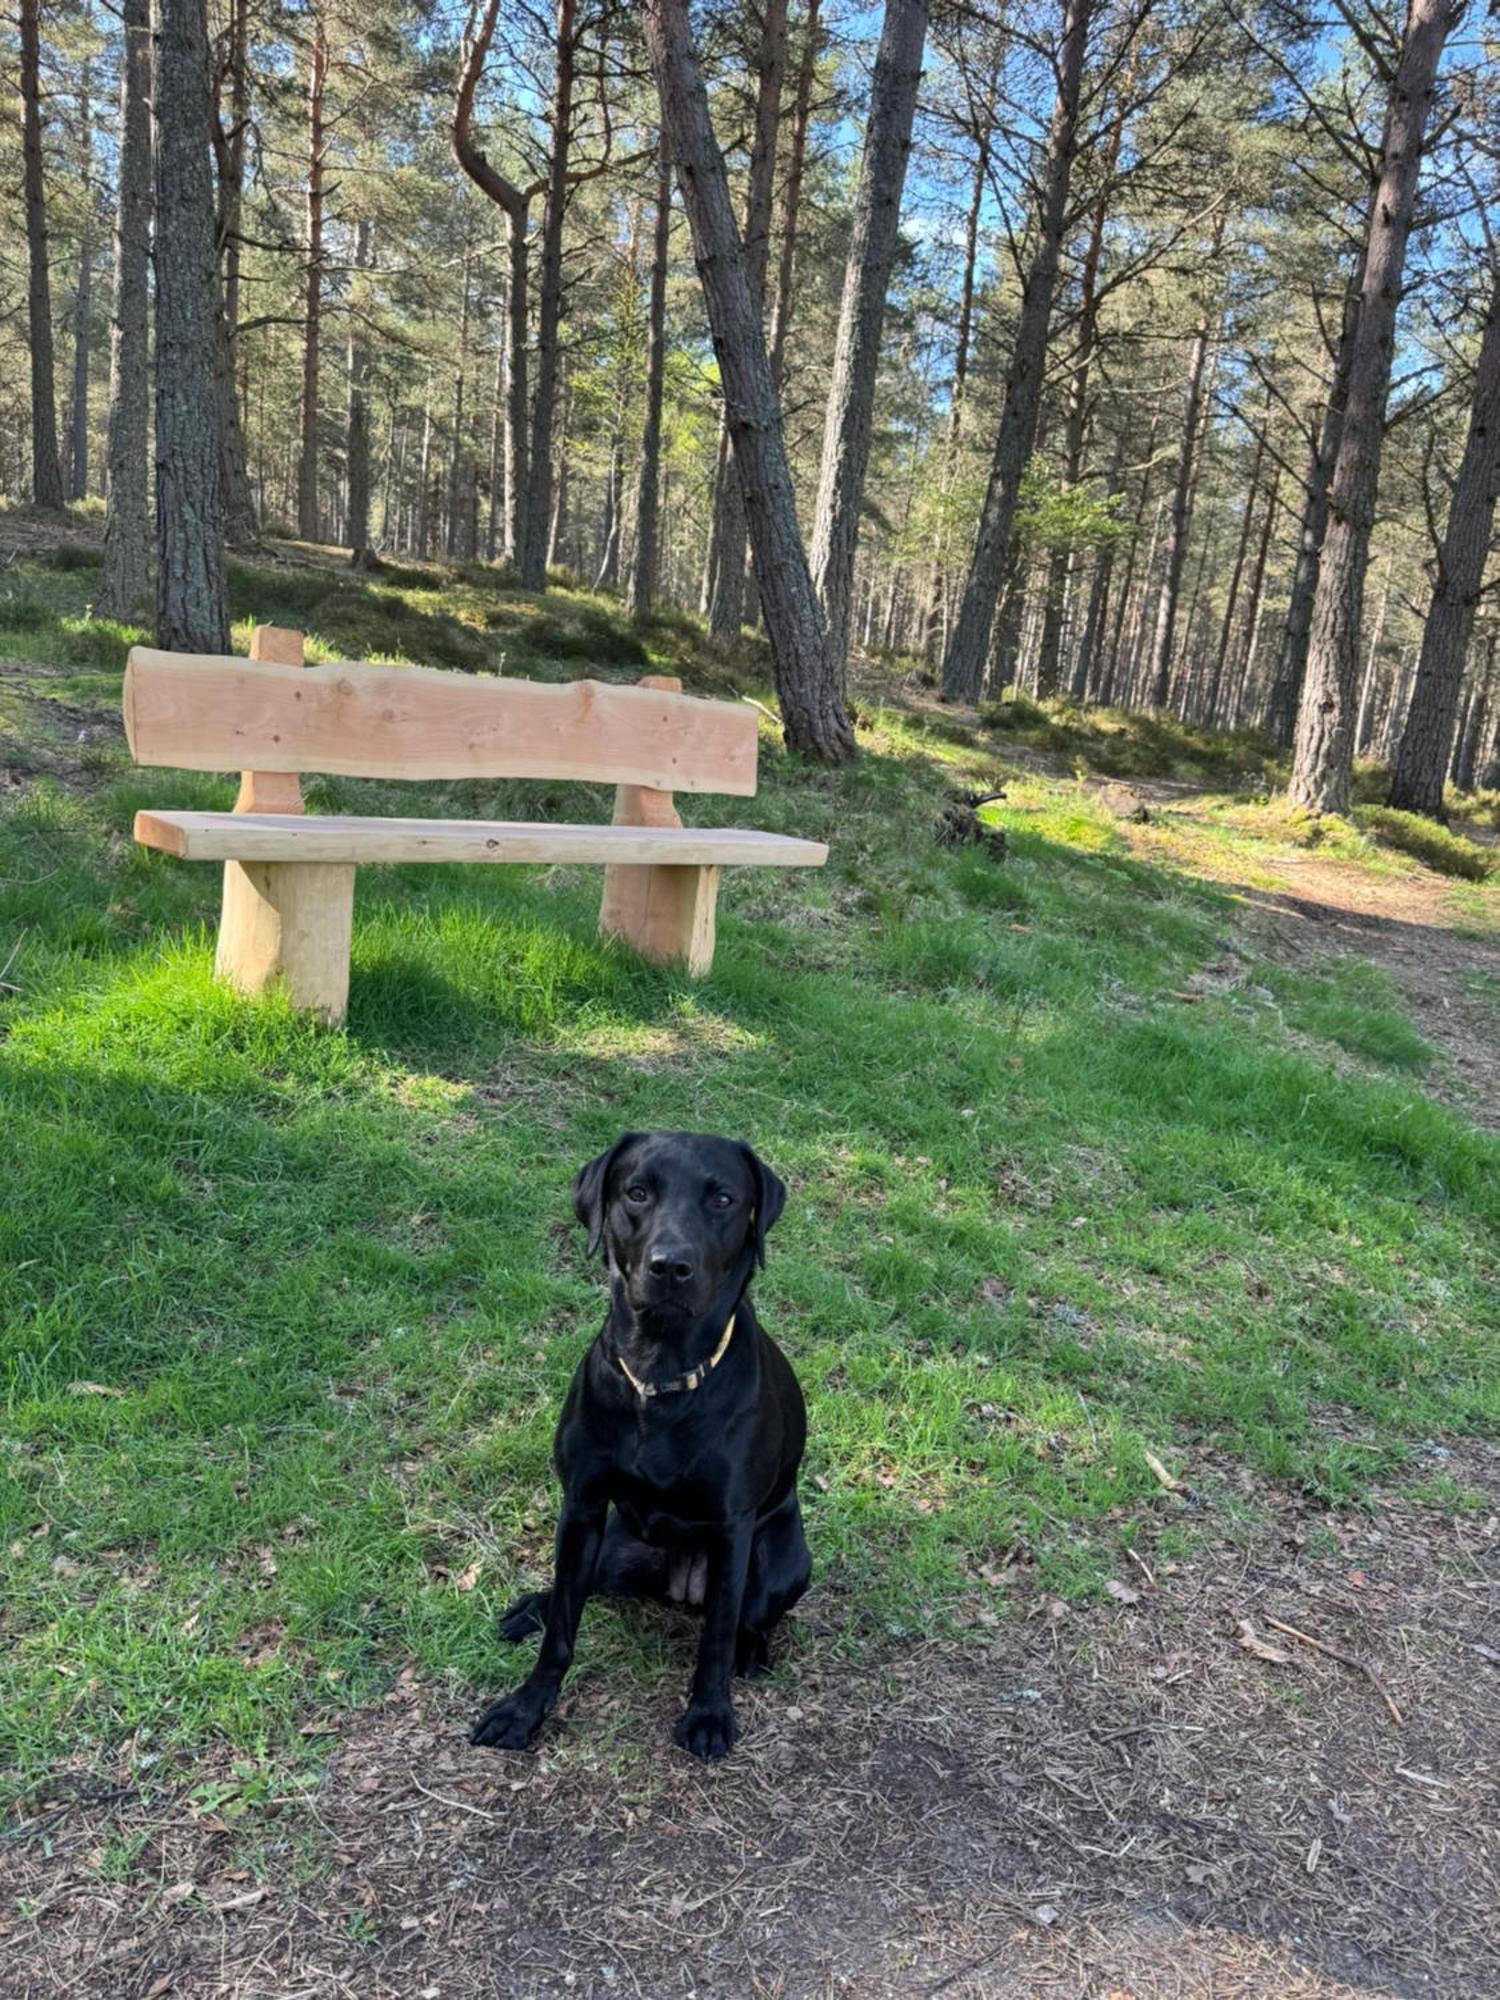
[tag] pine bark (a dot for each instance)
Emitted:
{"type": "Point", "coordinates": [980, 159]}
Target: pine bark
{"type": "Point", "coordinates": [1296, 633]}
{"type": "Point", "coordinates": [812, 706]}
{"type": "Point", "coordinates": [357, 435]}
{"type": "Point", "coordinates": [229, 148]}
{"type": "Point", "coordinates": [643, 568]}
{"type": "Point", "coordinates": [963, 666]}
{"type": "Point", "coordinates": [125, 580]}
{"type": "Point", "coordinates": [1062, 563]}
{"type": "Point", "coordinates": [46, 466]}
{"type": "Point", "coordinates": [514, 202]}
{"type": "Point", "coordinates": [1179, 518]}
{"type": "Point", "coordinates": [856, 354]}
{"type": "Point", "coordinates": [539, 506]}
{"type": "Point", "coordinates": [312, 339]}
{"type": "Point", "coordinates": [1426, 741]}
{"type": "Point", "coordinates": [791, 195]}
{"type": "Point", "coordinates": [726, 611]}
{"type": "Point", "coordinates": [935, 615]}
{"type": "Point", "coordinates": [1254, 604]}
{"type": "Point", "coordinates": [1323, 755]}
{"type": "Point", "coordinates": [1085, 682]}
{"type": "Point", "coordinates": [192, 611]}
{"type": "Point", "coordinates": [1232, 595]}
{"type": "Point", "coordinates": [83, 300]}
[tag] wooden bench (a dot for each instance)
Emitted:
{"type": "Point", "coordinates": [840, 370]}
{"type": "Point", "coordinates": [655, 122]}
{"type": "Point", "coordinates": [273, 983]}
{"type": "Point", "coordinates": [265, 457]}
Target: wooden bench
{"type": "Point", "coordinates": [289, 874]}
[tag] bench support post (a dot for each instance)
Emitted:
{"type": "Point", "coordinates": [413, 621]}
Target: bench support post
{"type": "Point", "coordinates": [666, 913]}
{"type": "Point", "coordinates": [286, 921]}
{"type": "Point", "coordinates": [289, 922]}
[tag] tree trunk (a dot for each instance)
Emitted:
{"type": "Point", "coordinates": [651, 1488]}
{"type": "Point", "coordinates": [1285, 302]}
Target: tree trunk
{"type": "Point", "coordinates": [1062, 562]}
{"type": "Point", "coordinates": [1364, 726]}
{"type": "Point", "coordinates": [515, 203]}
{"type": "Point", "coordinates": [1254, 604]}
{"type": "Point", "coordinates": [1179, 518]}
{"type": "Point", "coordinates": [495, 512]}
{"type": "Point", "coordinates": [1417, 781]}
{"type": "Point", "coordinates": [726, 610]}
{"type": "Point", "coordinates": [791, 195]}
{"type": "Point", "coordinates": [539, 508]}
{"type": "Point", "coordinates": [46, 467]}
{"type": "Point", "coordinates": [644, 565]}
{"type": "Point", "coordinates": [83, 300]}
{"type": "Point", "coordinates": [357, 438]}
{"type": "Point", "coordinates": [1291, 663]}
{"type": "Point", "coordinates": [229, 147]}
{"type": "Point", "coordinates": [458, 462]}
{"type": "Point", "coordinates": [811, 696]}
{"type": "Point", "coordinates": [856, 354]}
{"type": "Point", "coordinates": [1231, 597]}
{"type": "Point", "coordinates": [125, 580]}
{"type": "Point", "coordinates": [963, 668]}
{"type": "Point", "coordinates": [1466, 769]}
{"type": "Point", "coordinates": [307, 474]}
{"type": "Point", "coordinates": [1323, 757]}
{"type": "Point", "coordinates": [424, 472]}
{"type": "Point", "coordinates": [1085, 681]}
{"type": "Point", "coordinates": [192, 611]}
{"type": "Point", "coordinates": [937, 590]}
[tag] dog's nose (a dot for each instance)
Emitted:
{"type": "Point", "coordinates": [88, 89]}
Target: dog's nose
{"type": "Point", "coordinates": [673, 1264]}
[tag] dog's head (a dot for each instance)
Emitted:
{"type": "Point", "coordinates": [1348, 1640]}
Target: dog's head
{"type": "Point", "coordinates": [682, 1217]}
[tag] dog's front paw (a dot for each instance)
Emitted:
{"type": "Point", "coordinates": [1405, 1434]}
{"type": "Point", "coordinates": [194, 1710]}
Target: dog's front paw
{"type": "Point", "coordinates": [707, 1732]}
{"type": "Point", "coordinates": [508, 1724]}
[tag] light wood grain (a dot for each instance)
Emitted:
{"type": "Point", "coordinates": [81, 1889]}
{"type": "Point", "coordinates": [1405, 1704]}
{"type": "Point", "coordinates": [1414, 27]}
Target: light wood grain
{"type": "Point", "coordinates": [313, 837]}
{"type": "Point", "coordinates": [293, 927]}
{"type": "Point", "coordinates": [671, 918]}
{"type": "Point", "coordinates": [242, 909]}
{"type": "Point", "coordinates": [633, 903]}
{"type": "Point", "coordinates": [199, 713]}
{"type": "Point", "coordinates": [272, 791]}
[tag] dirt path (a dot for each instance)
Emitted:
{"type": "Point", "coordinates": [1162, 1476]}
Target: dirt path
{"type": "Point", "coordinates": [1448, 975]}
{"type": "Point", "coordinates": [1119, 1801]}
{"type": "Point", "coordinates": [1450, 982]}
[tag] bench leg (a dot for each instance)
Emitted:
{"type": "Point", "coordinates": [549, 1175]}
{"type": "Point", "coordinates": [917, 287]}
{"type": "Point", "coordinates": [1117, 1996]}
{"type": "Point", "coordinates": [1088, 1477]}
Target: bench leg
{"type": "Point", "coordinates": [667, 913]}
{"type": "Point", "coordinates": [289, 921]}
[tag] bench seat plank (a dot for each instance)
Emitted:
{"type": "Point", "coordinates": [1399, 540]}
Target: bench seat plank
{"type": "Point", "coordinates": [312, 837]}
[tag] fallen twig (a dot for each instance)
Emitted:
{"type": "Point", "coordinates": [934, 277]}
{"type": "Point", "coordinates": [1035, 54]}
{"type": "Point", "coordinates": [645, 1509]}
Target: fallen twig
{"type": "Point", "coordinates": [769, 713]}
{"type": "Point", "coordinates": [1345, 1659]}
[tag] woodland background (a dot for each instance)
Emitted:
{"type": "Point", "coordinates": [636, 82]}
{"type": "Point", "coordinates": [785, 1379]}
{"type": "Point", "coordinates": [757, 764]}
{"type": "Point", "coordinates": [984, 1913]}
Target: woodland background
{"type": "Point", "coordinates": [1087, 283]}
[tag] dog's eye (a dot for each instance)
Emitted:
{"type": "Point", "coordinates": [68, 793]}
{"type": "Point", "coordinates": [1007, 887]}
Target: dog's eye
{"type": "Point", "coordinates": [722, 1200]}
{"type": "Point", "coordinates": [635, 1192]}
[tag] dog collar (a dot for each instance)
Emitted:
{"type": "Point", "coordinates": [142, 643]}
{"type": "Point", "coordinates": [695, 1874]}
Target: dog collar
{"type": "Point", "coordinates": [689, 1381]}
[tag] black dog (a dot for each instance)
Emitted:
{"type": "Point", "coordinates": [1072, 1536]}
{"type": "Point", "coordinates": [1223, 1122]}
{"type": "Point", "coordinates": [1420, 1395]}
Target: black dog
{"type": "Point", "coordinates": [679, 1443]}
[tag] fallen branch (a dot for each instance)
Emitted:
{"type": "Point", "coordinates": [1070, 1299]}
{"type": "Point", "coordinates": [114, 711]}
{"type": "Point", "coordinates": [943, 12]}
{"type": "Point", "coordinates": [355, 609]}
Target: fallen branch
{"type": "Point", "coordinates": [1345, 1659]}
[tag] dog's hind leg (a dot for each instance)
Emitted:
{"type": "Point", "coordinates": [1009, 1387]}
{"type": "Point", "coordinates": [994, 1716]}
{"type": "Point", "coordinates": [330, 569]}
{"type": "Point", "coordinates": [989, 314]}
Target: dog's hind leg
{"type": "Point", "coordinates": [780, 1570]}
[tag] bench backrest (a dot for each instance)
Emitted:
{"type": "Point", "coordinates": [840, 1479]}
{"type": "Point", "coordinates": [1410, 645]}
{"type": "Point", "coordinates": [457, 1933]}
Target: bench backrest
{"type": "Point", "coordinates": [203, 713]}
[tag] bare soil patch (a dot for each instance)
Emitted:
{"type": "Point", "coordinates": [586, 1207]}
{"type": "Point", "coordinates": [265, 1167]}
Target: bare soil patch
{"type": "Point", "coordinates": [1400, 923]}
{"type": "Point", "coordinates": [1120, 1800]}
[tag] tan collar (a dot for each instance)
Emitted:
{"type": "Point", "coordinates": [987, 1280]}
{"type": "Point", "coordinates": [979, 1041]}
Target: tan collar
{"type": "Point", "coordinates": [689, 1381]}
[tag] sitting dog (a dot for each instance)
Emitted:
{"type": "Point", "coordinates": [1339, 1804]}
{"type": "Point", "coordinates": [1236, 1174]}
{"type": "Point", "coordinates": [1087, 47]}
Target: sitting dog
{"type": "Point", "coordinates": [679, 1442]}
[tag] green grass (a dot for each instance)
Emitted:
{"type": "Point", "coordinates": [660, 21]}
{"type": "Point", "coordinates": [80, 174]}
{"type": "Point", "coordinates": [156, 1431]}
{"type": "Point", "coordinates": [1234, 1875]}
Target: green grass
{"type": "Point", "coordinates": [1433, 845]}
{"type": "Point", "coordinates": [1122, 744]}
{"type": "Point", "coordinates": [285, 1316]}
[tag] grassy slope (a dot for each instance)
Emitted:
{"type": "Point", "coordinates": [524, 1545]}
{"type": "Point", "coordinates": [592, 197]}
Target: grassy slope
{"type": "Point", "coordinates": [285, 1316]}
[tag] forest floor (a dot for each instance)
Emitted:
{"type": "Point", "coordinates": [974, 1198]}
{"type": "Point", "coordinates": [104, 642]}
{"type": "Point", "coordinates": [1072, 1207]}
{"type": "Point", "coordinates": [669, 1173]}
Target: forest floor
{"type": "Point", "coordinates": [1148, 1322]}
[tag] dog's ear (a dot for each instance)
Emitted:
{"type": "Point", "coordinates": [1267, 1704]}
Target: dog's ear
{"type": "Point", "coordinates": [591, 1188]}
{"type": "Point", "coordinates": [770, 1198]}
